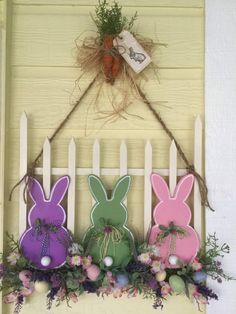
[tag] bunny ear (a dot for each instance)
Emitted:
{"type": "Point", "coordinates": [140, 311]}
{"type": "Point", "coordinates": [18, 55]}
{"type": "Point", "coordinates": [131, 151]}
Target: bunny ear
{"type": "Point", "coordinates": [59, 189]}
{"type": "Point", "coordinates": [160, 187]}
{"type": "Point", "coordinates": [36, 191]}
{"type": "Point", "coordinates": [184, 187]}
{"type": "Point", "coordinates": [121, 188]}
{"type": "Point", "coordinates": [97, 188]}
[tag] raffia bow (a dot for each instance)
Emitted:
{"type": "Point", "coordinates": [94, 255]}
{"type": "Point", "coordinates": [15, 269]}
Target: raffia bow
{"type": "Point", "coordinates": [108, 234]}
{"type": "Point", "coordinates": [174, 232]}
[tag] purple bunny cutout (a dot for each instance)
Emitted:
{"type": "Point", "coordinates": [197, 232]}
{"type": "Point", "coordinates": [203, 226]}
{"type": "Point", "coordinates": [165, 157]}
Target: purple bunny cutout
{"type": "Point", "coordinates": [46, 242]}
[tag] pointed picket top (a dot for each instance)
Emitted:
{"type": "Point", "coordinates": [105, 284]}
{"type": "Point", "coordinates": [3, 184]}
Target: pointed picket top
{"type": "Point", "coordinates": [23, 118]}
{"type": "Point", "coordinates": [172, 167]}
{"type": "Point", "coordinates": [47, 167]}
{"type": "Point", "coordinates": [23, 170]}
{"type": "Point", "coordinates": [72, 185]}
{"type": "Point", "coordinates": [147, 188]}
{"type": "Point", "coordinates": [72, 146]}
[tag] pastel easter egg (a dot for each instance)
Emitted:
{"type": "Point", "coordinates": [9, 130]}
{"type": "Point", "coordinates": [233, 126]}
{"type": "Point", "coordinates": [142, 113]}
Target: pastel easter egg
{"type": "Point", "coordinates": [108, 261]}
{"type": "Point", "coordinates": [199, 277]}
{"type": "Point", "coordinates": [41, 286]}
{"type": "Point", "coordinates": [173, 260]}
{"type": "Point", "coordinates": [46, 261]}
{"type": "Point", "coordinates": [177, 284]}
{"type": "Point", "coordinates": [121, 280]}
{"type": "Point", "coordinates": [93, 272]}
{"type": "Point", "coordinates": [160, 276]}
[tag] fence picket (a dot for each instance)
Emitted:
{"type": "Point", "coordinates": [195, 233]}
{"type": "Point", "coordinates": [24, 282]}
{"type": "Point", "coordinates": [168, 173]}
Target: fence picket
{"type": "Point", "coordinates": [123, 162]}
{"type": "Point", "coordinates": [23, 170]}
{"type": "Point", "coordinates": [72, 186]}
{"type": "Point", "coordinates": [172, 167]}
{"type": "Point", "coordinates": [46, 171]}
{"type": "Point", "coordinates": [147, 188]}
{"type": "Point", "coordinates": [198, 167]}
{"type": "Point", "coordinates": [96, 161]}
{"type": "Point", "coordinates": [47, 167]}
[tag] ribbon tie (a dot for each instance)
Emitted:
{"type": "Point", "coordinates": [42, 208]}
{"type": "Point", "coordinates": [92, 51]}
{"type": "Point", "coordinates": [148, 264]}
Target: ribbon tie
{"type": "Point", "coordinates": [39, 228]}
{"type": "Point", "coordinates": [174, 232]}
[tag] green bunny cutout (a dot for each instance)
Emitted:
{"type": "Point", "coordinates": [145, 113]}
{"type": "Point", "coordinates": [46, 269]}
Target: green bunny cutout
{"type": "Point", "coordinates": [109, 236]}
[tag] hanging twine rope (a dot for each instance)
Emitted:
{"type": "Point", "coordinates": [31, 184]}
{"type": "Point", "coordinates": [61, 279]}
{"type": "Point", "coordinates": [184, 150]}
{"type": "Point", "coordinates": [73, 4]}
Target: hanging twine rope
{"type": "Point", "coordinates": [189, 167]}
{"type": "Point", "coordinates": [32, 165]}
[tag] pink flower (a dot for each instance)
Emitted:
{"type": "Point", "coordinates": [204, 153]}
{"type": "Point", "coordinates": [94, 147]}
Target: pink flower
{"type": "Point", "coordinates": [76, 260]}
{"type": "Point", "coordinates": [13, 258]}
{"type": "Point", "coordinates": [61, 294]}
{"type": "Point", "coordinates": [25, 277]}
{"type": "Point", "coordinates": [132, 292]}
{"type": "Point", "coordinates": [156, 266]}
{"type": "Point", "coordinates": [86, 262]}
{"type": "Point", "coordinates": [25, 292]}
{"type": "Point", "coordinates": [196, 265]}
{"type": "Point", "coordinates": [145, 258]}
{"type": "Point", "coordinates": [73, 297]}
{"type": "Point", "coordinates": [200, 298]}
{"type": "Point", "coordinates": [11, 297]}
{"type": "Point", "coordinates": [117, 293]}
{"type": "Point", "coordinates": [111, 279]}
{"type": "Point", "coordinates": [197, 296]}
{"type": "Point", "coordinates": [165, 288]}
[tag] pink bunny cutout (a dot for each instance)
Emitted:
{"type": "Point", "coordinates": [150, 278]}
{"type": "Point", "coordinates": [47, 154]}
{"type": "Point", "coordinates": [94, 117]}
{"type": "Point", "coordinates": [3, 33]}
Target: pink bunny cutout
{"type": "Point", "coordinates": [46, 241]}
{"type": "Point", "coordinates": [173, 215]}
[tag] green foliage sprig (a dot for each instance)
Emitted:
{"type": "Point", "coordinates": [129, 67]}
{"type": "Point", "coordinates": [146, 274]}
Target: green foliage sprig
{"type": "Point", "coordinates": [109, 19]}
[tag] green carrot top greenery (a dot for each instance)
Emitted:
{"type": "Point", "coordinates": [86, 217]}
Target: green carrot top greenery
{"type": "Point", "coordinates": [109, 19]}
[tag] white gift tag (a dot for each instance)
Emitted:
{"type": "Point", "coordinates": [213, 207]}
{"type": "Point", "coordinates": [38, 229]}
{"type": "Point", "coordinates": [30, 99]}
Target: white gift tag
{"type": "Point", "coordinates": [131, 51]}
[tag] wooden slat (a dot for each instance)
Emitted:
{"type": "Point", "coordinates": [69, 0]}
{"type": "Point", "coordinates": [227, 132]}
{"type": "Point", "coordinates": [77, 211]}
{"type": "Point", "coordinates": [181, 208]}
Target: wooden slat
{"type": "Point", "coordinates": [40, 44]}
{"type": "Point", "coordinates": [123, 163]}
{"type": "Point", "coordinates": [198, 219]}
{"type": "Point", "coordinates": [173, 168]}
{"type": "Point", "coordinates": [133, 3]}
{"type": "Point", "coordinates": [23, 170]}
{"type": "Point", "coordinates": [109, 171]}
{"type": "Point", "coordinates": [179, 90]}
{"type": "Point", "coordinates": [72, 186]}
{"type": "Point", "coordinates": [147, 188]}
{"type": "Point", "coordinates": [47, 167]}
{"type": "Point", "coordinates": [96, 161]}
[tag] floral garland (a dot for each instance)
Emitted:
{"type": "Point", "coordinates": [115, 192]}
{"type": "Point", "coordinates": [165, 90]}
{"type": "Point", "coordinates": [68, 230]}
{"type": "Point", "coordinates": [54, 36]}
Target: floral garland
{"type": "Point", "coordinates": [146, 275]}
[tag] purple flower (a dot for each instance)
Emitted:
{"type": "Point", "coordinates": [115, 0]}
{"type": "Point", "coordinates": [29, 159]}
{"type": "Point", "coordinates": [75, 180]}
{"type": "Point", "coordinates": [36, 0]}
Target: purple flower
{"type": "Point", "coordinates": [153, 284]}
{"type": "Point", "coordinates": [219, 280]}
{"type": "Point", "coordinates": [55, 280]}
{"type": "Point", "coordinates": [90, 287]}
{"type": "Point", "coordinates": [1, 270]}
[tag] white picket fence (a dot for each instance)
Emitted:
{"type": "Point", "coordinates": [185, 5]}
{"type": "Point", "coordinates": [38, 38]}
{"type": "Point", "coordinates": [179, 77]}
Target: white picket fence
{"type": "Point", "coordinates": [46, 171]}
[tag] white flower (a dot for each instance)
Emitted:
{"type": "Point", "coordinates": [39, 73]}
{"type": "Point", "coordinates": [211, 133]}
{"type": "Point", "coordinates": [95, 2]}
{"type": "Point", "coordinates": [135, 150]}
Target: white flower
{"type": "Point", "coordinates": [75, 249]}
{"type": "Point", "coordinates": [145, 258]}
{"type": "Point", "coordinates": [13, 258]}
{"type": "Point", "coordinates": [154, 250]}
{"type": "Point", "coordinates": [156, 266]}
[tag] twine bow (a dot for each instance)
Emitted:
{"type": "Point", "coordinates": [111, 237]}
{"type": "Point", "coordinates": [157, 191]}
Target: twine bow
{"type": "Point", "coordinates": [39, 228]}
{"type": "Point", "coordinates": [174, 232]}
{"type": "Point", "coordinates": [106, 235]}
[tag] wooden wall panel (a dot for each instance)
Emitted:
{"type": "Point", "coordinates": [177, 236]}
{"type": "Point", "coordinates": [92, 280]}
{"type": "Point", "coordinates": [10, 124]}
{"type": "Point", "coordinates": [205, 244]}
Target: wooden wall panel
{"type": "Point", "coordinates": [43, 75]}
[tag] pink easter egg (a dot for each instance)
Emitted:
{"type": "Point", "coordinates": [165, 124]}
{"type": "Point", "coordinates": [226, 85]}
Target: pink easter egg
{"type": "Point", "coordinates": [93, 272]}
